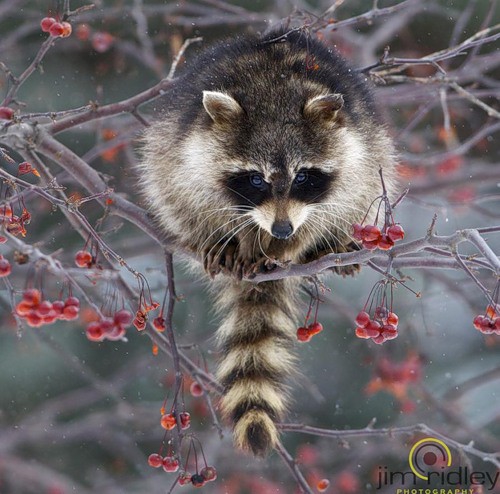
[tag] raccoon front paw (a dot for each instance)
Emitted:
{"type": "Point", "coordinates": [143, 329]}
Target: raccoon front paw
{"type": "Point", "coordinates": [219, 259]}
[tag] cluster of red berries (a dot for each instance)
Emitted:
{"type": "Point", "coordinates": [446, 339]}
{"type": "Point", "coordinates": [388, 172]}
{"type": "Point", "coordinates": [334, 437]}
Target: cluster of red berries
{"type": "Point", "coordinates": [305, 333]}
{"type": "Point", "coordinates": [169, 421]}
{"type": "Point", "coordinates": [169, 463]}
{"type": "Point", "coordinates": [372, 237]}
{"type": "Point", "coordinates": [206, 474]}
{"type": "Point", "coordinates": [55, 28]}
{"type": "Point", "coordinates": [5, 267]}
{"type": "Point", "coordinates": [490, 322]}
{"type": "Point", "coordinates": [383, 326]}
{"type": "Point", "coordinates": [141, 317]}
{"type": "Point", "coordinates": [38, 312]}
{"type": "Point", "coordinates": [109, 328]}
{"type": "Point", "coordinates": [14, 224]}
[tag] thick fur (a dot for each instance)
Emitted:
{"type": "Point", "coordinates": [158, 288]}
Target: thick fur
{"type": "Point", "coordinates": [281, 108]}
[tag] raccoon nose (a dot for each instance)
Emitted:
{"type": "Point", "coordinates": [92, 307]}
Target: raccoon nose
{"type": "Point", "coordinates": [282, 229]}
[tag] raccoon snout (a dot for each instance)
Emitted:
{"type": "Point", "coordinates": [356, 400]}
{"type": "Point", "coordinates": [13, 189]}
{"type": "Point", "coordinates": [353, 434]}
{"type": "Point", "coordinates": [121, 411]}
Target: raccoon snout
{"type": "Point", "coordinates": [282, 229]}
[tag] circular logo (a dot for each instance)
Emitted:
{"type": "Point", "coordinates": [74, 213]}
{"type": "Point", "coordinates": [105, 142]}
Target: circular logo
{"type": "Point", "coordinates": [426, 453]}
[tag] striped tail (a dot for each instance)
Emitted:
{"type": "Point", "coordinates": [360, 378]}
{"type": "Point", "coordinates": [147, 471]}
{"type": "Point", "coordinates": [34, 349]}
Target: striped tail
{"type": "Point", "coordinates": [256, 340]}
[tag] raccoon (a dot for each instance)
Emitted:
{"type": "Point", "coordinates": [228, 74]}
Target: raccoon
{"type": "Point", "coordinates": [266, 150]}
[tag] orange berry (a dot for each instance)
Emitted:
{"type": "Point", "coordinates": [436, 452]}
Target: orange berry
{"type": "Point", "coordinates": [66, 29]}
{"type": "Point", "coordinates": [323, 485]}
{"type": "Point", "coordinates": [168, 421]}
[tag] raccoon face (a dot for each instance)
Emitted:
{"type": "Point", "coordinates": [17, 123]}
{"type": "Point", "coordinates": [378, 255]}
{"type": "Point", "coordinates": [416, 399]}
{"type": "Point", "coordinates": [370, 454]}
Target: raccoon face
{"type": "Point", "coordinates": [277, 185]}
{"type": "Point", "coordinates": [278, 202]}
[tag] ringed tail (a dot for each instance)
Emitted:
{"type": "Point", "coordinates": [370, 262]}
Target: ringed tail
{"type": "Point", "coordinates": [256, 340]}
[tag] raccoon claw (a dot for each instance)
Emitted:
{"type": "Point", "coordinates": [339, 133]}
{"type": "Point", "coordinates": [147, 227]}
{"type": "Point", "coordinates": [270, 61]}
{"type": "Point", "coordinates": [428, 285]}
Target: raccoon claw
{"type": "Point", "coordinates": [218, 261]}
{"type": "Point", "coordinates": [263, 265]}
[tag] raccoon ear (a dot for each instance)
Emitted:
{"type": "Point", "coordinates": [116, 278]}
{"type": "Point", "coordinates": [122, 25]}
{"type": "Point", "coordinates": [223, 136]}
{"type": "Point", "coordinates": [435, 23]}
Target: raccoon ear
{"type": "Point", "coordinates": [324, 108]}
{"type": "Point", "coordinates": [221, 107]}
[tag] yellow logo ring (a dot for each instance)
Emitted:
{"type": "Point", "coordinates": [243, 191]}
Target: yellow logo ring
{"type": "Point", "coordinates": [418, 443]}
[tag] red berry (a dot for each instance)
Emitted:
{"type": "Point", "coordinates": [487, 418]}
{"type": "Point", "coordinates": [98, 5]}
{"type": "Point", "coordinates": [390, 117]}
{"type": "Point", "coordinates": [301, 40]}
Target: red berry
{"type": "Point", "coordinates": [197, 480]}
{"type": "Point", "coordinates": [323, 485]}
{"type": "Point", "coordinates": [34, 320]}
{"type": "Point", "coordinates": [195, 389]}
{"type": "Point", "coordinates": [393, 319]}
{"type": "Point", "coordinates": [184, 478]}
{"type": "Point", "coordinates": [140, 324]}
{"type": "Point", "coordinates": [395, 233]}
{"type": "Point", "coordinates": [185, 419]}
{"type": "Point", "coordinates": [32, 295]}
{"type": "Point", "coordinates": [70, 313]}
{"type": "Point", "coordinates": [370, 233]}
{"type": "Point", "coordinates": [170, 464]}
{"type": "Point", "coordinates": [370, 245]}
{"type": "Point", "coordinates": [155, 460]}
{"type": "Point", "coordinates": [23, 308]}
{"type": "Point", "coordinates": [3, 239]}
{"type": "Point", "coordinates": [303, 334]}
{"type": "Point", "coordinates": [72, 301]}
{"type": "Point", "coordinates": [385, 243]}
{"type": "Point", "coordinates": [116, 333]}
{"type": "Point", "coordinates": [487, 326]}
{"type": "Point", "coordinates": [107, 324]}
{"type": "Point", "coordinates": [478, 322]}
{"type": "Point", "coordinates": [497, 323]}
{"type": "Point", "coordinates": [67, 29]}
{"type": "Point", "coordinates": [356, 232]}
{"type": "Point", "coordinates": [83, 259]}
{"type": "Point", "coordinates": [379, 339]}
{"type": "Point", "coordinates": [23, 169]}
{"type": "Point", "coordinates": [58, 306]}
{"type": "Point", "coordinates": [5, 268]}
{"type": "Point", "coordinates": [56, 29]}
{"type": "Point", "coordinates": [50, 317]}
{"type": "Point", "coordinates": [389, 332]}
{"type": "Point", "coordinates": [44, 308]}
{"type": "Point", "coordinates": [315, 328]}
{"type": "Point", "coordinates": [94, 332]}
{"type": "Point", "coordinates": [123, 316]}
{"type": "Point", "coordinates": [159, 324]}
{"type": "Point", "coordinates": [46, 24]}
{"type": "Point", "coordinates": [373, 329]}
{"type": "Point", "coordinates": [6, 113]}
{"type": "Point", "coordinates": [362, 319]}
{"type": "Point", "coordinates": [209, 473]}
{"type": "Point", "coordinates": [168, 421]}
{"type": "Point", "coordinates": [361, 333]}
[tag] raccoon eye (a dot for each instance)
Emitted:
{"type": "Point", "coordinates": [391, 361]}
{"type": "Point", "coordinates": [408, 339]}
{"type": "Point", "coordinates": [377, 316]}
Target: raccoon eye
{"type": "Point", "coordinates": [256, 180]}
{"type": "Point", "coordinates": [300, 178]}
